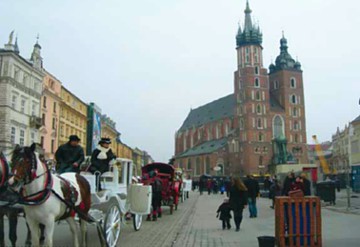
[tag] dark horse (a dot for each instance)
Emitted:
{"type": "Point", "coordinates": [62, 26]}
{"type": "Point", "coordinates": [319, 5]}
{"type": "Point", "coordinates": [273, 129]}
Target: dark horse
{"type": "Point", "coordinates": [11, 211]}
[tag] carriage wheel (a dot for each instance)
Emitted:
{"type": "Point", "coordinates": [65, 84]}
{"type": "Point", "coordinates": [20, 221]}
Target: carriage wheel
{"type": "Point", "coordinates": [137, 221]}
{"type": "Point", "coordinates": [112, 224]}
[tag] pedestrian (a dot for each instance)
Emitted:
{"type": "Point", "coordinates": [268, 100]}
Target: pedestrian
{"type": "Point", "coordinates": [267, 183]}
{"type": "Point", "coordinates": [238, 200]}
{"type": "Point", "coordinates": [156, 186]}
{"type": "Point", "coordinates": [201, 185]}
{"type": "Point", "coordinates": [253, 192]}
{"type": "Point", "coordinates": [225, 216]}
{"type": "Point", "coordinates": [209, 186]}
{"type": "Point", "coordinates": [70, 155]}
{"type": "Point", "coordinates": [274, 191]}
{"type": "Point", "coordinates": [100, 159]}
{"type": "Point", "coordinates": [289, 180]}
{"type": "Point", "coordinates": [307, 184]}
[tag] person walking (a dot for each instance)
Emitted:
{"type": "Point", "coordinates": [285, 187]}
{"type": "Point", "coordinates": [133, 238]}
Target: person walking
{"type": "Point", "coordinates": [307, 184]}
{"type": "Point", "coordinates": [289, 180]}
{"type": "Point", "coordinates": [238, 200]}
{"type": "Point", "coordinates": [209, 186]}
{"type": "Point", "coordinates": [275, 190]}
{"type": "Point", "coordinates": [70, 155]}
{"type": "Point", "coordinates": [225, 216]}
{"type": "Point", "coordinates": [253, 191]}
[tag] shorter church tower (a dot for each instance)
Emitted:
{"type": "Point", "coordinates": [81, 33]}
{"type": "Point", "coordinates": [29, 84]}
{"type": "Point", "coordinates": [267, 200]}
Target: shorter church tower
{"type": "Point", "coordinates": [287, 89]}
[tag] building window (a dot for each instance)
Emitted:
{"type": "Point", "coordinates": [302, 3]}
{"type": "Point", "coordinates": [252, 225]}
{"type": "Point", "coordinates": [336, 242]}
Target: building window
{"type": "Point", "coordinates": [276, 84]}
{"type": "Point", "coordinates": [33, 109]}
{"type": "Point", "coordinates": [261, 137]}
{"type": "Point", "coordinates": [197, 166]}
{"type": "Point", "coordinates": [293, 82]}
{"type": "Point", "coordinates": [43, 119]}
{"type": "Point", "coordinates": [295, 112]}
{"type": "Point", "coordinates": [241, 123]}
{"type": "Point", "coordinates": [14, 101]}
{"type": "Point", "coordinates": [247, 55]}
{"type": "Point", "coordinates": [22, 137]}
{"type": "Point", "coordinates": [13, 135]}
{"type": "Point", "coordinates": [54, 110]}
{"type": "Point", "coordinates": [23, 104]}
{"type": "Point", "coordinates": [32, 137]}
{"type": "Point", "coordinates": [293, 99]}
{"type": "Point", "coordinates": [54, 123]}
{"type": "Point", "coordinates": [296, 138]}
{"type": "Point", "coordinates": [52, 146]}
{"type": "Point", "coordinates": [257, 83]}
{"type": "Point", "coordinates": [258, 109]}
{"type": "Point", "coordinates": [257, 95]}
{"type": "Point", "coordinates": [296, 125]}
{"type": "Point", "coordinates": [256, 70]}
{"type": "Point", "coordinates": [44, 102]}
{"type": "Point", "coordinates": [259, 123]}
{"type": "Point", "coordinates": [256, 55]}
{"type": "Point", "coordinates": [42, 142]}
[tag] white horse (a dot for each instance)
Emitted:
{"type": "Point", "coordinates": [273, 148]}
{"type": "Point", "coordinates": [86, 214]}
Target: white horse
{"type": "Point", "coordinates": [45, 198]}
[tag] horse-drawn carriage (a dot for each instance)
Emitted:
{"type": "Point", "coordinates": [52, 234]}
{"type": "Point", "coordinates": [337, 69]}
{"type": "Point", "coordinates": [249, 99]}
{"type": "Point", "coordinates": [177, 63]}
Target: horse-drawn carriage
{"type": "Point", "coordinates": [170, 185]}
{"type": "Point", "coordinates": [42, 193]}
{"type": "Point", "coordinates": [120, 196]}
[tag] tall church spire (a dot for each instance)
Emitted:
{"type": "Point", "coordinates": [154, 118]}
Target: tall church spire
{"type": "Point", "coordinates": [251, 33]}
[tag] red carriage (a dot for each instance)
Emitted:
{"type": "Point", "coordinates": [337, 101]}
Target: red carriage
{"type": "Point", "coordinates": [170, 184]}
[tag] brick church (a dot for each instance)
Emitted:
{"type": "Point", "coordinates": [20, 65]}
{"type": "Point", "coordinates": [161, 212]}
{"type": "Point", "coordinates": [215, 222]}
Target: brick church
{"type": "Point", "coordinates": [259, 125]}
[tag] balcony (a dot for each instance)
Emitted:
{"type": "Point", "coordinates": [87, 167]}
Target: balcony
{"type": "Point", "coordinates": [35, 122]}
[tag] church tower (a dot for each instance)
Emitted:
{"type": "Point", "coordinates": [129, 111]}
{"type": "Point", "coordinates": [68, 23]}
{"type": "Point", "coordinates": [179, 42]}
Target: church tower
{"type": "Point", "coordinates": [251, 89]}
{"type": "Point", "coordinates": [287, 88]}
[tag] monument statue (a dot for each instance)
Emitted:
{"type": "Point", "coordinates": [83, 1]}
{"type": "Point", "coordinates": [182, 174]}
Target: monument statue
{"type": "Point", "coordinates": [11, 37]}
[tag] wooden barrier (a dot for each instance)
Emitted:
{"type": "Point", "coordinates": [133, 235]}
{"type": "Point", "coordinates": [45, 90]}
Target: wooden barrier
{"type": "Point", "coordinates": [298, 221]}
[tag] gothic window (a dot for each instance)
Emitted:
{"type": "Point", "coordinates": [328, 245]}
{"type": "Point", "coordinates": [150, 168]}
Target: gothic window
{"type": "Point", "coordinates": [257, 95]}
{"type": "Point", "coordinates": [296, 138]}
{"type": "Point", "coordinates": [276, 84]}
{"type": "Point", "coordinates": [259, 123]}
{"type": "Point", "coordinates": [184, 142]}
{"type": "Point", "coordinates": [198, 166]}
{"type": "Point", "coordinates": [256, 55]}
{"type": "Point", "coordinates": [258, 109]}
{"type": "Point", "coordinates": [257, 83]}
{"type": "Point", "coordinates": [293, 99]}
{"type": "Point", "coordinates": [293, 82]}
{"type": "Point", "coordinates": [295, 112]}
{"type": "Point", "coordinates": [261, 137]}
{"type": "Point", "coordinates": [217, 132]}
{"type": "Point", "coordinates": [278, 127]}
{"type": "Point", "coordinates": [247, 55]}
{"type": "Point", "coordinates": [256, 70]}
{"type": "Point", "coordinates": [296, 125]}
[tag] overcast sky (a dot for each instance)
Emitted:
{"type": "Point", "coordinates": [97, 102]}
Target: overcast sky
{"type": "Point", "coordinates": [147, 62]}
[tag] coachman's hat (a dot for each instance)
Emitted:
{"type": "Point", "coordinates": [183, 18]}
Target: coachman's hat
{"type": "Point", "coordinates": [105, 141]}
{"type": "Point", "coordinates": [74, 138]}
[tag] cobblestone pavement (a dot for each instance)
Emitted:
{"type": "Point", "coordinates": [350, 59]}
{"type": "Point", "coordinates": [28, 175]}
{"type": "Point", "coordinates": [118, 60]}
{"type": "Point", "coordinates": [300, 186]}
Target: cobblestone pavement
{"type": "Point", "coordinates": [195, 224]}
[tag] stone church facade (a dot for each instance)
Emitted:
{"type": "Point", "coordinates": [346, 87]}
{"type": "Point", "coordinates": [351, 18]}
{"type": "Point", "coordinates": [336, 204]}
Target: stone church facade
{"type": "Point", "coordinates": [261, 124]}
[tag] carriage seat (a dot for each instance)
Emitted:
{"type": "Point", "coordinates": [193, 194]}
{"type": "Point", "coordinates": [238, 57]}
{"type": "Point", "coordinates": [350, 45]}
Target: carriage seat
{"type": "Point", "coordinates": [107, 175]}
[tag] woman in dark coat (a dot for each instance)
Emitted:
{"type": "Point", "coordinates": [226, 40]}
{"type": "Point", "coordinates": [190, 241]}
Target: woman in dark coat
{"type": "Point", "coordinates": [238, 200]}
{"type": "Point", "coordinates": [101, 157]}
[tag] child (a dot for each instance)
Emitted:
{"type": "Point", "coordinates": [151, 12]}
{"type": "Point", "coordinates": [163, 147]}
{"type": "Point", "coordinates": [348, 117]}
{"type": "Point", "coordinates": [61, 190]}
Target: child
{"type": "Point", "coordinates": [225, 215]}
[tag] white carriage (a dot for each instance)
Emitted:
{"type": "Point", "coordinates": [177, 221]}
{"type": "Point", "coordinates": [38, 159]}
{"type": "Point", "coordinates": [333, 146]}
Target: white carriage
{"type": "Point", "coordinates": [119, 197]}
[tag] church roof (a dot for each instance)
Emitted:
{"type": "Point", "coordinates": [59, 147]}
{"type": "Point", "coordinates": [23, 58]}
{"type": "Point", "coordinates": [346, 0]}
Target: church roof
{"type": "Point", "coordinates": [205, 148]}
{"type": "Point", "coordinates": [356, 120]}
{"type": "Point", "coordinates": [213, 111]}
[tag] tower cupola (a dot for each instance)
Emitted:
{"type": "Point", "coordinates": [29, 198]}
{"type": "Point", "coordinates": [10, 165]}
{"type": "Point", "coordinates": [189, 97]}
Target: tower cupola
{"type": "Point", "coordinates": [284, 60]}
{"type": "Point", "coordinates": [251, 33]}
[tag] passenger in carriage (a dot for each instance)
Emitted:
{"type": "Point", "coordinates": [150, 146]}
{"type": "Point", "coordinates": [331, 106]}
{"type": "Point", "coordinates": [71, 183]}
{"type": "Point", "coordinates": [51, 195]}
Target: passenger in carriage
{"type": "Point", "coordinates": [70, 155]}
{"type": "Point", "coordinates": [100, 159]}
